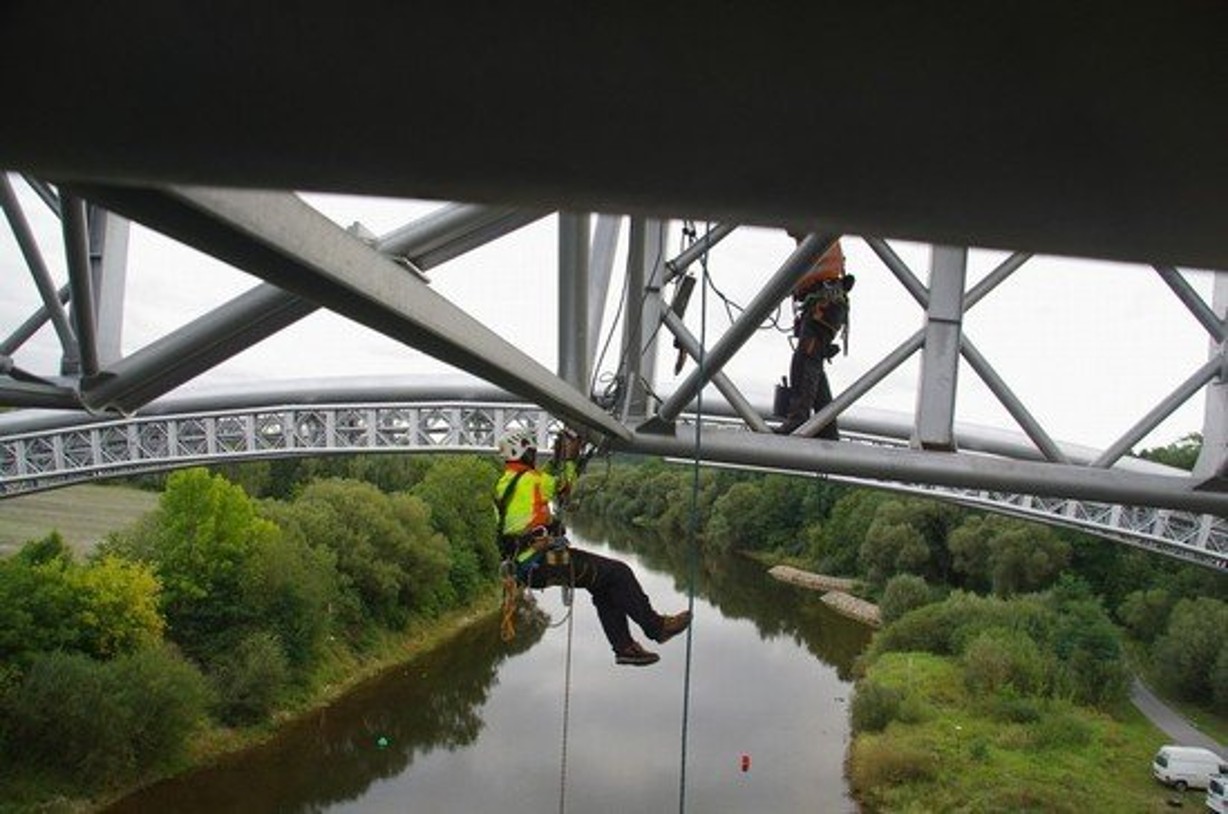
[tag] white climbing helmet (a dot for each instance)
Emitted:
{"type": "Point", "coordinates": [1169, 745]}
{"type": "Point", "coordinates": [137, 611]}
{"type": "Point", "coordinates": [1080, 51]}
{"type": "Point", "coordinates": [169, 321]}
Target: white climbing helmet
{"type": "Point", "coordinates": [516, 445]}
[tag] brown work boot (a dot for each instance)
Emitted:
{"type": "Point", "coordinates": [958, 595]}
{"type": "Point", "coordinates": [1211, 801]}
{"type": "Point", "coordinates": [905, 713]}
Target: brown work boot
{"type": "Point", "coordinates": [671, 626]}
{"type": "Point", "coordinates": [635, 655]}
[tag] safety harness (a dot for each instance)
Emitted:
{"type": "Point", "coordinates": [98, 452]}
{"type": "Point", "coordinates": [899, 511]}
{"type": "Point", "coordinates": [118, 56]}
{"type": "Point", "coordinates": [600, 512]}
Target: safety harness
{"type": "Point", "coordinates": [521, 555]}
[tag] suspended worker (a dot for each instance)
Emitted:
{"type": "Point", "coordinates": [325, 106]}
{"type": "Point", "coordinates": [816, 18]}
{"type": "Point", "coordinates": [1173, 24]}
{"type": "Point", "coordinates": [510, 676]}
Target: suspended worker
{"type": "Point", "coordinates": [532, 539]}
{"type": "Point", "coordinates": [821, 313]}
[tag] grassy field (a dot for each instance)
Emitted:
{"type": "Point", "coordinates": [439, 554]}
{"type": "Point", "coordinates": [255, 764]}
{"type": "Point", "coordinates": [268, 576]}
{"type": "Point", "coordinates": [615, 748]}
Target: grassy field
{"type": "Point", "coordinates": [952, 754]}
{"type": "Point", "coordinates": [82, 514]}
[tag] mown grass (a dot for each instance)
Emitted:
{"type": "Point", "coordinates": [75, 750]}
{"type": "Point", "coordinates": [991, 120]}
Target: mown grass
{"type": "Point", "coordinates": [83, 515]}
{"type": "Point", "coordinates": [953, 752]}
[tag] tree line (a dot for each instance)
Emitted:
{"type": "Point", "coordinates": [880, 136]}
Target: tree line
{"type": "Point", "coordinates": [910, 551]}
{"type": "Point", "coordinates": [225, 605]}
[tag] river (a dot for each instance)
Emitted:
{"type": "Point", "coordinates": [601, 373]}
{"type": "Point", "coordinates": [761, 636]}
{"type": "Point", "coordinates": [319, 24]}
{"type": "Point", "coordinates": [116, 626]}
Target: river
{"type": "Point", "coordinates": [477, 725]}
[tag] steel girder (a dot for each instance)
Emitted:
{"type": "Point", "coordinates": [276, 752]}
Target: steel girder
{"type": "Point", "coordinates": [312, 261]}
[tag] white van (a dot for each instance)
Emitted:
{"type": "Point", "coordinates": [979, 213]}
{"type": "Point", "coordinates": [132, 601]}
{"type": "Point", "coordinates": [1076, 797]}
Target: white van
{"type": "Point", "coordinates": [1187, 766]}
{"type": "Point", "coordinates": [1217, 794]}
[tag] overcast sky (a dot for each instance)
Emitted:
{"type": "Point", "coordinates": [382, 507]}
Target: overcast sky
{"type": "Point", "coordinates": [1088, 346]}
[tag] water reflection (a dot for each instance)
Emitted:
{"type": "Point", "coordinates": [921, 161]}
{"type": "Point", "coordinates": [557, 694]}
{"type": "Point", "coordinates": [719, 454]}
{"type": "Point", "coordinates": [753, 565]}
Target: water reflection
{"type": "Point", "coordinates": [477, 725]}
{"type": "Point", "coordinates": [374, 732]}
{"type": "Point", "coordinates": [737, 586]}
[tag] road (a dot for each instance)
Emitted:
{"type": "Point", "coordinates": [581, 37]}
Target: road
{"type": "Point", "coordinates": [1177, 728]}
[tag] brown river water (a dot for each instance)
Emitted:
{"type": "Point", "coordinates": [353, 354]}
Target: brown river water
{"type": "Point", "coordinates": [477, 725]}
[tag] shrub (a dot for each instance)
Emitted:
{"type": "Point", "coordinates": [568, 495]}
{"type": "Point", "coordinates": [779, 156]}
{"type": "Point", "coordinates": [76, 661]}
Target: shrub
{"type": "Point", "coordinates": [1060, 730]}
{"type": "Point", "coordinates": [880, 762]}
{"type": "Point", "coordinates": [1000, 659]}
{"type": "Point", "coordinates": [250, 679]}
{"type": "Point", "coordinates": [903, 593]}
{"type": "Point", "coordinates": [62, 719]}
{"type": "Point", "coordinates": [874, 706]}
{"type": "Point", "coordinates": [1219, 679]}
{"type": "Point", "coordinates": [1015, 709]}
{"type": "Point", "coordinates": [93, 722]}
{"type": "Point", "coordinates": [164, 697]}
{"type": "Point", "coordinates": [945, 627]}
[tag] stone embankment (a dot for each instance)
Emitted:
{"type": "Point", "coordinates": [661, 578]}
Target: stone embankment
{"type": "Point", "coordinates": [836, 593]}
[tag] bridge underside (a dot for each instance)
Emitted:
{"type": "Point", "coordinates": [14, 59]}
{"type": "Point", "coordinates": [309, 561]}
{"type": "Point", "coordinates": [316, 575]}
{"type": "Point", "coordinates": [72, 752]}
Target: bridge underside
{"type": "Point", "coordinates": [1037, 128]}
{"type": "Point", "coordinates": [1080, 129]}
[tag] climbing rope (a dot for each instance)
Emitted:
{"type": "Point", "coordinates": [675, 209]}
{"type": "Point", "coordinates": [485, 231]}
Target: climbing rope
{"type": "Point", "coordinates": [693, 524]}
{"type": "Point", "coordinates": [567, 598]}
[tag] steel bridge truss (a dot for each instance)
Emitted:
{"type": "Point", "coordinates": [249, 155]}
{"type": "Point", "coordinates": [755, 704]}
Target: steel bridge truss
{"type": "Point", "coordinates": [307, 262]}
{"type": "Point", "coordinates": [52, 458]}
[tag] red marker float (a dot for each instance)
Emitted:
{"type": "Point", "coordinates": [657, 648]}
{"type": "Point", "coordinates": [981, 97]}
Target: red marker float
{"type": "Point", "coordinates": [745, 763]}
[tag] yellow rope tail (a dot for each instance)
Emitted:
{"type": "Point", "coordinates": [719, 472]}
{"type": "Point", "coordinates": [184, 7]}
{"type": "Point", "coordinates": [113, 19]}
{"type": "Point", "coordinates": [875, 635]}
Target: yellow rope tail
{"type": "Point", "coordinates": [511, 590]}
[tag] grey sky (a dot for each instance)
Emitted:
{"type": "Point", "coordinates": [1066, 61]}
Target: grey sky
{"type": "Point", "coordinates": [1088, 346]}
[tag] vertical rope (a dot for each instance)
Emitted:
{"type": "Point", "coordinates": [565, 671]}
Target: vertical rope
{"type": "Point", "coordinates": [566, 710]}
{"type": "Point", "coordinates": [693, 524]}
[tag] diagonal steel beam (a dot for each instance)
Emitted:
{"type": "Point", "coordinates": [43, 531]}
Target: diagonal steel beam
{"type": "Point", "coordinates": [280, 239]}
{"type": "Point", "coordinates": [203, 343]}
{"type": "Point", "coordinates": [705, 242]}
{"type": "Point", "coordinates": [1197, 305]}
{"type": "Point", "coordinates": [1183, 393]}
{"type": "Point", "coordinates": [32, 325]}
{"type": "Point", "coordinates": [797, 264]}
{"type": "Point", "coordinates": [44, 191]}
{"type": "Point", "coordinates": [452, 230]}
{"type": "Point", "coordinates": [727, 388]}
{"type": "Point", "coordinates": [52, 303]}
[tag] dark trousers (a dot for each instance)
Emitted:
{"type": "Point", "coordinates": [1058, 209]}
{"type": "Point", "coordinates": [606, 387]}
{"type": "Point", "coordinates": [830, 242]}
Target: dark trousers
{"type": "Point", "coordinates": [809, 388]}
{"type": "Point", "coordinates": [616, 593]}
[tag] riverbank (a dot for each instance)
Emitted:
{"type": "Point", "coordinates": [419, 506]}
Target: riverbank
{"type": "Point", "coordinates": [836, 593]}
{"type": "Point", "coordinates": [341, 676]}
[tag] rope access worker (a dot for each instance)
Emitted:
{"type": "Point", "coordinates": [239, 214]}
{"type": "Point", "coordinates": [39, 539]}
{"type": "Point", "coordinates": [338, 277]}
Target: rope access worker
{"type": "Point", "coordinates": [821, 307]}
{"type": "Point", "coordinates": [532, 539]}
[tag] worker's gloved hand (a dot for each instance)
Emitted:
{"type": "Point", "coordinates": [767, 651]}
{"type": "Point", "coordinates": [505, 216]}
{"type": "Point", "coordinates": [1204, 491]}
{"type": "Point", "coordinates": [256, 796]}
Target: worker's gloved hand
{"type": "Point", "coordinates": [571, 444]}
{"type": "Point", "coordinates": [831, 350]}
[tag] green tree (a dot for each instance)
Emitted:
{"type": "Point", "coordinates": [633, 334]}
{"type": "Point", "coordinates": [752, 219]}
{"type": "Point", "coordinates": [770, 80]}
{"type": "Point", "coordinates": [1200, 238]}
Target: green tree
{"type": "Point", "coordinates": [116, 606]}
{"type": "Point", "coordinates": [1145, 613]}
{"type": "Point", "coordinates": [902, 593]}
{"type": "Point", "coordinates": [1197, 634]}
{"type": "Point", "coordinates": [49, 549]}
{"type": "Point", "coordinates": [200, 541]}
{"type": "Point", "coordinates": [290, 587]}
{"type": "Point", "coordinates": [1006, 555]}
{"type": "Point", "coordinates": [892, 546]}
{"type": "Point", "coordinates": [836, 546]}
{"type": "Point", "coordinates": [1219, 679]}
{"type": "Point", "coordinates": [1182, 453]}
{"type": "Point", "coordinates": [1091, 663]}
{"type": "Point", "coordinates": [390, 562]}
{"type": "Point", "coordinates": [37, 609]}
{"type": "Point", "coordinates": [458, 490]}
{"type": "Point", "coordinates": [735, 518]}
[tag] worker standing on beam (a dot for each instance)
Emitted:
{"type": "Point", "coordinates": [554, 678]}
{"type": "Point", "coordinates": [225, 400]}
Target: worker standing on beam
{"type": "Point", "coordinates": [821, 313]}
{"type": "Point", "coordinates": [534, 544]}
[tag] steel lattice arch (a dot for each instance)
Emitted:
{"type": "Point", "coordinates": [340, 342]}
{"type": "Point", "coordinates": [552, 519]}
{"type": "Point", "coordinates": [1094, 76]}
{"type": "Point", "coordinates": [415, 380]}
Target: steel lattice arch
{"type": "Point", "coordinates": [59, 456]}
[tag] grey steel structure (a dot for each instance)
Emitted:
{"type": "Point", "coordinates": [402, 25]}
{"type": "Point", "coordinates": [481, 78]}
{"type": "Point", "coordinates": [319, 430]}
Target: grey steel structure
{"type": "Point", "coordinates": [1045, 154]}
